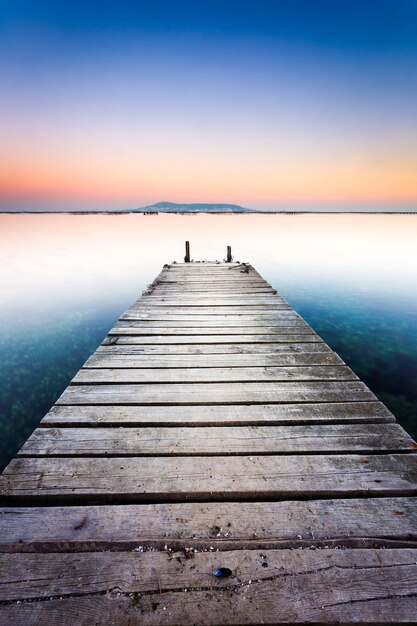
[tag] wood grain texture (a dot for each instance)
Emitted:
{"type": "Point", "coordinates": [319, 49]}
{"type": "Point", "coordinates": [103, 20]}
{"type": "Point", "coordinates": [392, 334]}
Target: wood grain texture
{"type": "Point", "coordinates": [274, 329]}
{"type": "Point", "coordinates": [224, 348]}
{"type": "Point", "coordinates": [234, 282]}
{"type": "Point", "coordinates": [209, 478]}
{"type": "Point", "coordinates": [217, 393]}
{"type": "Point", "coordinates": [102, 360]}
{"type": "Point", "coordinates": [132, 327]}
{"type": "Point", "coordinates": [232, 309]}
{"type": "Point", "coordinates": [129, 588]}
{"type": "Point", "coordinates": [213, 374]}
{"type": "Point", "coordinates": [347, 522]}
{"type": "Point", "coordinates": [236, 415]}
{"type": "Point", "coordinates": [151, 299]}
{"type": "Point", "coordinates": [206, 339]}
{"type": "Point", "coordinates": [184, 320]}
{"type": "Point", "coordinates": [246, 440]}
{"type": "Point", "coordinates": [208, 290]}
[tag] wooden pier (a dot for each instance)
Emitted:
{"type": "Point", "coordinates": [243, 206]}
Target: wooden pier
{"type": "Point", "coordinates": [213, 462]}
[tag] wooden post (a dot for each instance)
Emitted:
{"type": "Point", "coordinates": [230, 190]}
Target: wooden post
{"type": "Point", "coordinates": [187, 252]}
{"type": "Point", "coordinates": [229, 254]}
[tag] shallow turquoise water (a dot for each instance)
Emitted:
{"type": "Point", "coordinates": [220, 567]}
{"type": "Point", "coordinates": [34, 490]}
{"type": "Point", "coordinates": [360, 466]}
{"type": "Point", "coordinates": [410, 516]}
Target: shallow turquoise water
{"type": "Point", "coordinates": [65, 280]}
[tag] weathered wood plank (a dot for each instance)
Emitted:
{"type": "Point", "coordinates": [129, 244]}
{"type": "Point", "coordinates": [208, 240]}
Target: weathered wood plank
{"type": "Point", "coordinates": [210, 294]}
{"type": "Point", "coordinates": [206, 339]}
{"type": "Point", "coordinates": [213, 374]}
{"type": "Point", "coordinates": [152, 441]}
{"type": "Point", "coordinates": [228, 286]}
{"type": "Point", "coordinates": [217, 393]}
{"type": "Point", "coordinates": [203, 265]}
{"type": "Point", "coordinates": [182, 320]}
{"type": "Point", "coordinates": [214, 323]}
{"type": "Point", "coordinates": [212, 274]}
{"type": "Point", "coordinates": [233, 281]}
{"type": "Point", "coordinates": [273, 586]}
{"type": "Point", "coordinates": [177, 309]}
{"type": "Point", "coordinates": [203, 288]}
{"type": "Point", "coordinates": [190, 301]}
{"type": "Point", "coordinates": [222, 348]}
{"type": "Point", "coordinates": [209, 478]}
{"type": "Point", "coordinates": [217, 287]}
{"type": "Point", "coordinates": [102, 360]}
{"type": "Point", "coordinates": [351, 522]}
{"type": "Point", "coordinates": [220, 288]}
{"type": "Point", "coordinates": [130, 328]}
{"type": "Point", "coordinates": [214, 286]}
{"type": "Point", "coordinates": [218, 415]}
{"type": "Point", "coordinates": [228, 274]}
{"type": "Point", "coordinates": [210, 297]}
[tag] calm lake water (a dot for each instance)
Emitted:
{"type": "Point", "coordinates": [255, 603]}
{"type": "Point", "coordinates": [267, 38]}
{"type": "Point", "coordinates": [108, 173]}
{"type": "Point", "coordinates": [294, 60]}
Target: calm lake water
{"type": "Point", "coordinates": [65, 279]}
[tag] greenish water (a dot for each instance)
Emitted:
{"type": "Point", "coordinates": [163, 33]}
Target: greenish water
{"type": "Point", "coordinates": [377, 340]}
{"type": "Point", "coordinates": [62, 292]}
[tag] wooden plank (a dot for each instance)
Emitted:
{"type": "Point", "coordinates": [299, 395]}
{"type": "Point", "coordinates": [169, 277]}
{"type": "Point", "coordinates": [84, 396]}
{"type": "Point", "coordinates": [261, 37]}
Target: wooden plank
{"type": "Point", "coordinates": [213, 374]}
{"type": "Point", "coordinates": [217, 393]}
{"type": "Point", "coordinates": [200, 277]}
{"type": "Point", "coordinates": [246, 440]}
{"type": "Point", "coordinates": [209, 320]}
{"type": "Point", "coordinates": [219, 286]}
{"type": "Point", "coordinates": [214, 268]}
{"type": "Point", "coordinates": [207, 295]}
{"type": "Point", "coordinates": [130, 328]}
{"type": "Point", "coordinates": [213, 284]}
{"type": "Point", "coordinates": [222, 348]}
{"type": "Point", "coordinates": [207, 339]}
{"type": "Point", "coordinates": [231, 273]}
{"type": "Point", "coordinates": [135, 588]}
{"type": "Point", "coordinates": [198, 300]}
{"type": "Point", "coordinates": [217, 415]}
{"type": "Point", "coordinates": [319, 586]}
{"type": "Point", "coordinates": [211, 279]}
{"type": "Point", "coordinates": [143, 307]}
{"type": "Point", "coordinates": [202, 265]}
{"type": "Point", "coordinates": [209, 292]}
{"type": "Point", "coordinates": [216, 322]}
{"type": "Point", "coordinates": [235, 279]}
{"type": "Point", "coordinates": [353, 522]}
{"type": "Point", "coordinates": [145, 479]}
{"type": "Point", "coordinates": [230, 287]}
{"type": "Point", "coordinates": [104, 360]}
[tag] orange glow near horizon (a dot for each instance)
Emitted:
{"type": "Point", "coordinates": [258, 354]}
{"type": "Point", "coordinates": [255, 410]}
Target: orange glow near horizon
{"type": "Point", "coordinates": [263, 184]}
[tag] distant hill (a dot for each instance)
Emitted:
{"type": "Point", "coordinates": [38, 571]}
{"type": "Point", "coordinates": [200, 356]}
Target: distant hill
{"type": "Point", "coordinates": [197, 207]}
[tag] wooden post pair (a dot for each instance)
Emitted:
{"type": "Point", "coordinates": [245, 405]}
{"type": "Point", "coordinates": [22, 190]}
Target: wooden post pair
{"type": "Point", "coordinates": [187, 253]}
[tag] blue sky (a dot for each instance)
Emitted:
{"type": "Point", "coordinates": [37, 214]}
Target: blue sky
{"type": "Point", "coordinates": [272, 104]}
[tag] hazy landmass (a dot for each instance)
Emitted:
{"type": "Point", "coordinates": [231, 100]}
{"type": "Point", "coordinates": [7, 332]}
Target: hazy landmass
{"type": "Point", "coordinates": [204, 207]}
{"type": "Point", "coordinates": [196, 207]}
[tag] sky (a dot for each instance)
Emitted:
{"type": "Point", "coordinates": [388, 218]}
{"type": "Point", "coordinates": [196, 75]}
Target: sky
{"type": "Point", "coordinates": [271, 104]}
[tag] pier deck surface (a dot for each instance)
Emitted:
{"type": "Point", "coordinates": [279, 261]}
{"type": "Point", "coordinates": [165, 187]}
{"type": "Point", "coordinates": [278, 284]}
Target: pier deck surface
{"type": "Point", "coordinates": [213, 428]}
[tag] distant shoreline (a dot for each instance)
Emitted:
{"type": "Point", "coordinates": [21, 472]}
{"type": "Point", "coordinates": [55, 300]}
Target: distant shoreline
{"type": "Point", "coordinates": [251, 212]}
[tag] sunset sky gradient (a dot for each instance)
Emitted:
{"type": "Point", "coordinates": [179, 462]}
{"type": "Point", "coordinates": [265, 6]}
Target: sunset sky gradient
{"type": "Point", "coordinates": [272, 104]}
